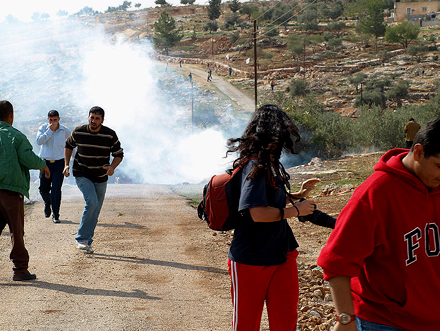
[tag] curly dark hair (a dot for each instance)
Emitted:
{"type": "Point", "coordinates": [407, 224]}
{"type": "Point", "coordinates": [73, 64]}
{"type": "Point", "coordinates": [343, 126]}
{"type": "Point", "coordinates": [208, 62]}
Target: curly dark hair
{"type": "Point", "coordinates": [269, 132]}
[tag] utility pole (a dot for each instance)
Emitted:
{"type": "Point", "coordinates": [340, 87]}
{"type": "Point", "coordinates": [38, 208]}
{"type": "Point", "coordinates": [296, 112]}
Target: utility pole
{"type": "Point", "coordinates": [304, 56]}
{"type": "Point", "coordinates": [362, 101]}
{"type": "Point", "coordinates": [192, 100]}
{"type": "Point", "coordinates": [192, 105]}
{"type": "Point", "coordinates": [255, 64]}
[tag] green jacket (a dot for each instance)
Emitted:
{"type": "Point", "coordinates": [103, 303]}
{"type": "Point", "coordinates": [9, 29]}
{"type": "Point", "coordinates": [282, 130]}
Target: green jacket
{"type": "Point", "coordinates": [16, 158]}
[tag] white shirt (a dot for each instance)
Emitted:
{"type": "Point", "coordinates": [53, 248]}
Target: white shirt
{"type": "Point", "coordinates": [52, 142]}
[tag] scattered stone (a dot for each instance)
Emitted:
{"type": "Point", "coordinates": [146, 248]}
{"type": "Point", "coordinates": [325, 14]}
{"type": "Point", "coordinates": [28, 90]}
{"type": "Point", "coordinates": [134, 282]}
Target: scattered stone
{"type": "Point", "coordinates": [330, 189]}
{"type": "Point", "coordinates": [315, 313]}
{"type": "Point", "coordinates": [318, 293]}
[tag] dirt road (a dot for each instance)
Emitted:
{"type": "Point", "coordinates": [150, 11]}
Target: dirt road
{"type": "Point", "coordinates": [244, 101]}
{"type": "Point", "coordinates": [155, 267]}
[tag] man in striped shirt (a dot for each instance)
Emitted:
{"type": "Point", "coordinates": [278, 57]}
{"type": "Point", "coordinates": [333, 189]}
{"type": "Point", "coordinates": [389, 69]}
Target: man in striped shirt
{"type": "Point", "coordinates": [91, 168]}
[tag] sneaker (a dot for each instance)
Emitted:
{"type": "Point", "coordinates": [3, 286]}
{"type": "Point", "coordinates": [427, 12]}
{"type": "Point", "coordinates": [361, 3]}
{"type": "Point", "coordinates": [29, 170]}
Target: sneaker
{"type": "Point", "coordinates": [88, 250]}
{"type": "Point", "coordinates": [47, 211]}
{"type": "Point", "coordinates": [55, 219]}
{"type": "Point", "coordinates": [26, 276]}
{"type": "Point", "coordinates": [84, 246]}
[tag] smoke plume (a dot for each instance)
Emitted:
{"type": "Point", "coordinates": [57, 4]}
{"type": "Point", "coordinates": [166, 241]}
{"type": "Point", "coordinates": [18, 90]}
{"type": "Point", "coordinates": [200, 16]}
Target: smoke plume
{"type": "Point", "coordinates": [69, 66]}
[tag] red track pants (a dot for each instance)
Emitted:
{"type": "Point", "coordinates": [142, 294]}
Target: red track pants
{"type": "Point", "coordinates": [277, 285]}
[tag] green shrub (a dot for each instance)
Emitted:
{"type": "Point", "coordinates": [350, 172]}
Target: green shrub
{"type": "Point", "coordinates": [334, 44]}
{"type": "Point", "coordinates": [268, 55]}
{"type": "Point", "coordinates": [371, 98]}
{"type": "Point", "coordinates": [271, 31]}
{"type": "Point", "coordinates": [211, 26]}
{"type": "Point", "coordinates": [328, 36]}
{"type": "Point", "coordinates": [324, 133]}
{"type": "Point", "coordinates": [233, 37]}
{"type": "Point", "coordinates": [298, 88]}
{"type": "Point", "coordinates": [327, 134]}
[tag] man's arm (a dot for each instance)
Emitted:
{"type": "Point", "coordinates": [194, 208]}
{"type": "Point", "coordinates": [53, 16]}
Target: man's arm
{"type": "Point", "coordinates": [67, 155]}
{"type": "Point", "coordinates": [43, 134]}
{"type": "Point", "coordinates": [306, 188]}
{"type": "Point", "coordinates": [111, 168]}
{"type": "Point", "coordinates": [26, 156]}
{"type": "Point", "coordinates": [340, 288]}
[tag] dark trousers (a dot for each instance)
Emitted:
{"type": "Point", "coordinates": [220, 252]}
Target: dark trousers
{"type": "Point", "coordinates": [50, 188]}
{"type": "Point", "coordinates": [12, 213]}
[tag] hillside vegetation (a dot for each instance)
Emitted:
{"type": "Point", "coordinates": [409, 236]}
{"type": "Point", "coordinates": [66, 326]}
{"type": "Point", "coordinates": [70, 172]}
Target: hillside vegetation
{"type": "Point", "coordinates": [321, 60]}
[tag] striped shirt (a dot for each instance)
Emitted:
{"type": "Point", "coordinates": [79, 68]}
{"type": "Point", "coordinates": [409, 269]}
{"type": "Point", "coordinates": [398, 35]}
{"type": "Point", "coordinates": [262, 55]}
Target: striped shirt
{"type": "Point", "coordinates": [93, 151]}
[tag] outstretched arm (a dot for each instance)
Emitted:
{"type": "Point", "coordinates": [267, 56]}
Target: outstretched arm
{"type": "Point", "coordinates": [272, 214]}
{"type": "Point", "coordinates": [305, 189]}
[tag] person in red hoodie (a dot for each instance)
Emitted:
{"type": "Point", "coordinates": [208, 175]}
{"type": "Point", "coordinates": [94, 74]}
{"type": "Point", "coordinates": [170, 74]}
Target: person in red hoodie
{"type": "Point", "coordinates": [382, 260]}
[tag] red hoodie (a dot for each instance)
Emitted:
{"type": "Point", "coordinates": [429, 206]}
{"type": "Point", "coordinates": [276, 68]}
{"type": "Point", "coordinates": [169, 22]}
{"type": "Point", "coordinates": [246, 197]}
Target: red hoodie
{"type": "Point", "coordinates": [387, 239]}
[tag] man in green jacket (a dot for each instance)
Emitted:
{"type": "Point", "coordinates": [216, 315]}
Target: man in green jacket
{"type": "Point", "coordinates": [16, 158]}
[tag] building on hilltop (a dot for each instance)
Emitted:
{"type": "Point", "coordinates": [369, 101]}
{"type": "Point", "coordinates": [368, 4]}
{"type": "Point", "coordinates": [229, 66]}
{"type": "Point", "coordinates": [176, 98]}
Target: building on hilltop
{"type": "Point", "coordinates": [422, 13]}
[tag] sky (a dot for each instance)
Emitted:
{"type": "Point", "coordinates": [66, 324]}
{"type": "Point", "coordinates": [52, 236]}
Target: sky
{"type": "Point", "coordinates": [23, 9]}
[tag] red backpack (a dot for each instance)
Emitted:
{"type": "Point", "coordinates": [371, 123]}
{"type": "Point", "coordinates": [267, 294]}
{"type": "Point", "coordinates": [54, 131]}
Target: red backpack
{"type": "Point", "coordinates": [219, 207]}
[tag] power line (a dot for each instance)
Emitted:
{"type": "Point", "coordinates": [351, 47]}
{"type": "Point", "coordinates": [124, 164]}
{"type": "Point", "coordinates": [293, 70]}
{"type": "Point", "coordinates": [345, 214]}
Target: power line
{"type": "Point", "coordinates": [287, 20]}
{"type": "Point", "coordinates": [291, 9]}
{"type": "Point", "coordinates": [251, 36]}
{"type": "Point", "coordinates": [273, 27]}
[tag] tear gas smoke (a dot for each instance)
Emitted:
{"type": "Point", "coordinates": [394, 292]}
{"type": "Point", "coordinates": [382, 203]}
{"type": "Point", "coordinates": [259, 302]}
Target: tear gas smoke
{"type": "Point", "coordinates": [70, 67]}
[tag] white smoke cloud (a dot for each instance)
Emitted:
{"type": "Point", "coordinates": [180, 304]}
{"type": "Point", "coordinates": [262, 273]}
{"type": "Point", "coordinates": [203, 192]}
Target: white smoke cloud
{"type": "Point", "coordinates": [72, 68]}
{"type": "Point", "coordinates": [156, 135]}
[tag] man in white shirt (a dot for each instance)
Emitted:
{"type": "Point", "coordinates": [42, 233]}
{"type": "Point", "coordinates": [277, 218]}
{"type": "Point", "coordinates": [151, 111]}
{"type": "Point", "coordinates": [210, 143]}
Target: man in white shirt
{"type": "Point", "coordinates": [52, 137]}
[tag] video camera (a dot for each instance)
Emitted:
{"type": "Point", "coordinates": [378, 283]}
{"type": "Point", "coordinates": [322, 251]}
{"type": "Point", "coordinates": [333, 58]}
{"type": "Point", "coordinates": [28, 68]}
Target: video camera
{"type": "Point", "coordinates": [319, 218]}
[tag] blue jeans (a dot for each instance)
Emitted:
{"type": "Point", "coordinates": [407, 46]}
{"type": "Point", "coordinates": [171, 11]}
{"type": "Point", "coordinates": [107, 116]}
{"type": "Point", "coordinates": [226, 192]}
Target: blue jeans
{"type": "Point", "coordinates": [93, 194]}
{"type": "Point", "coordinates": [50, 188]}
{"type": "Point", "coordinates": [363, 325]}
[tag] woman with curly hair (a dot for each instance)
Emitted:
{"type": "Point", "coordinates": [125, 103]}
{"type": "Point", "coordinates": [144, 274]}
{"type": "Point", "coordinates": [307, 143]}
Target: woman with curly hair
{"type": "Point", "coordinates": [262, 256]}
